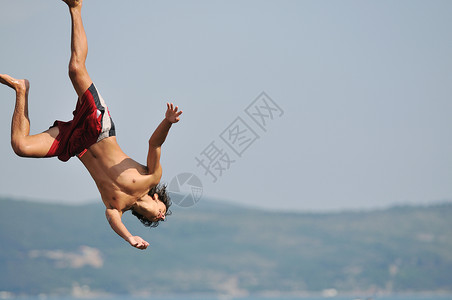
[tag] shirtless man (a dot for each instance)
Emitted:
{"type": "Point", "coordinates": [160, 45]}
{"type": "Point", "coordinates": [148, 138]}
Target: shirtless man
{"type": "Point", "coordinates": [123, 183]}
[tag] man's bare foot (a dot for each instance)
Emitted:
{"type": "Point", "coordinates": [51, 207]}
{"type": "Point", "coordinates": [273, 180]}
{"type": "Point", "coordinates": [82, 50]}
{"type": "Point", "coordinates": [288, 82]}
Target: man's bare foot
{"type": "Point", "coordinates": [73, 3]}
{"type": "Point", "coordinates": [16, 84]}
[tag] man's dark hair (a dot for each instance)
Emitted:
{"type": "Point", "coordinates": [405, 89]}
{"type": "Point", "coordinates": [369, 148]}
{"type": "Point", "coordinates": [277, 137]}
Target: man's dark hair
{"type": "Point", "coordinates": [160, 190]}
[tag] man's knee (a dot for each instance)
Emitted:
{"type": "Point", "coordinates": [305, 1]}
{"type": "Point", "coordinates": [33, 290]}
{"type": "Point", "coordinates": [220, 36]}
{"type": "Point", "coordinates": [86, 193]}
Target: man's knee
{"type": "Point", "coordinates": [79, 76]}
{"type": "Point", "coordinates": [21, 147]}
{"type": "Point", "coordinates": [76, 69]}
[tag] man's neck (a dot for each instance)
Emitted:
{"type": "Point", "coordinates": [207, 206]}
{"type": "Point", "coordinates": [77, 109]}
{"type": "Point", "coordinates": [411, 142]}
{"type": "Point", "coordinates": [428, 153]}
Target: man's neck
{"type": "Point", "coordinates": [143, 204]}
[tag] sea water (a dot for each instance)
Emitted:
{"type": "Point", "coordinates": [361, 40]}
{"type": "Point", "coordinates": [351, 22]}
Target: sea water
{"type": "Point", "coordinates": [225, 297]}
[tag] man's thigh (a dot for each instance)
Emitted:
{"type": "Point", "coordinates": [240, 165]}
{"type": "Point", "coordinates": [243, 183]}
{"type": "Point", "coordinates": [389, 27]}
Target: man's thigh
{"type": "Point", "coordinates": [39, 144]}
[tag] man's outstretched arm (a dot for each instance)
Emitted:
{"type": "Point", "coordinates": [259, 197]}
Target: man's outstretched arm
{"type": "Point", "coordinates": [114, 218]}
{"type": "Point", "coordinates": [157, 139]}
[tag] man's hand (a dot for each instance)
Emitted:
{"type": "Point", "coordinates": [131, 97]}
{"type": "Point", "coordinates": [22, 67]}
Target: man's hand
{"type": "Point", "coordinates": [172, 114]}
{"type": "Point", "coordinates": [137, 242]}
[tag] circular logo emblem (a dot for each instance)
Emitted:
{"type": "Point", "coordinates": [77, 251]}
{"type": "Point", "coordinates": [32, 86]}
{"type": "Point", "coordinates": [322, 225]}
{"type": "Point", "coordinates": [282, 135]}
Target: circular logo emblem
{"type": "Point", "coordinates": [185, 189]}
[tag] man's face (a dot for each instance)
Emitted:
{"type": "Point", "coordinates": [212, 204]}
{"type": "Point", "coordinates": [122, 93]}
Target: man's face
{"type": "Point", "coordinates": [157, 210]}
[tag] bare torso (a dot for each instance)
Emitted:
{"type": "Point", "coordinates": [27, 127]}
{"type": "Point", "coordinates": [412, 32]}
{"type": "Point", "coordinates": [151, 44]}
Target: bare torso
{"type": "Point", "coordinates": [121, 180]}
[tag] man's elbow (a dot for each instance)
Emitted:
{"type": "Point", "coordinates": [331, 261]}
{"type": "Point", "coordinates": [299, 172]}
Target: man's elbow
{"type": "Point", "coordinates": [110, 215]}
{"type": "Point", "coordinates": [154, 144]}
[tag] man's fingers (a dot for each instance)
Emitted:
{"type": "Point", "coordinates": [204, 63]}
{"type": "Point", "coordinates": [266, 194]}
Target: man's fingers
{"type": "Point", "coordinates": [142, 244]}
{"type": "Point", "coordinates": [172, 107]}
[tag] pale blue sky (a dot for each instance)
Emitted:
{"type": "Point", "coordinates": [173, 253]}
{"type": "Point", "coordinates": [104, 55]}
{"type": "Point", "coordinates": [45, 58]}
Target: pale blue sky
{"type": "Point", "coordinates": [365, 87]}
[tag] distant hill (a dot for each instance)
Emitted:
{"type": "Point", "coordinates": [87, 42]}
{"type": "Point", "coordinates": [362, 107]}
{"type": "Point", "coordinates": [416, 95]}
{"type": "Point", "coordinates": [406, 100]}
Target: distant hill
{"type": "Point", "coordinates": [224, 249]}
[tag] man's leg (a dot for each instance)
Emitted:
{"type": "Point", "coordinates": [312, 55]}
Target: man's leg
{"type": "Point", "coordinates": [23, 143]}
{"type": "Point", "coordinates": [79, 49]}
{"type": "Point", "coordinates": [38, 145]}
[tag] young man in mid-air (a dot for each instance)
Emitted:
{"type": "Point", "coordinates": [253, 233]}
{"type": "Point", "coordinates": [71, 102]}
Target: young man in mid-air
{"type": "Point", "coordinates": [123, 183]}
